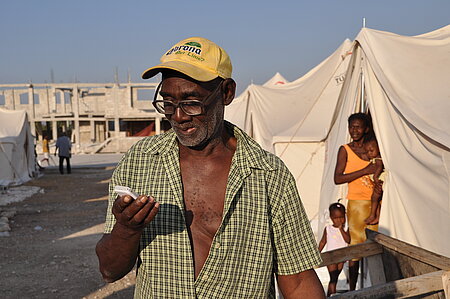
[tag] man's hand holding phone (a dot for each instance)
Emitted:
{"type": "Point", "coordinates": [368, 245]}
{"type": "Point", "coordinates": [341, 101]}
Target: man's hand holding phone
{"type": "Point", "coordinates": [133, 211]}
{"type": "Point", "coordinates": [122, 191]}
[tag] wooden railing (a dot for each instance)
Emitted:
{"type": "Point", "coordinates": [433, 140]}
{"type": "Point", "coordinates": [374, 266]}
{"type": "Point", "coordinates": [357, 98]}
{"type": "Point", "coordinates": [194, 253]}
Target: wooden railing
{"type": "Point", "coordinates": [396, 269]}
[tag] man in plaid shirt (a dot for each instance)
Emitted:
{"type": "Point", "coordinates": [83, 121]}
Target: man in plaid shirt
{"type": "Point", "coordinates": [218, 215]}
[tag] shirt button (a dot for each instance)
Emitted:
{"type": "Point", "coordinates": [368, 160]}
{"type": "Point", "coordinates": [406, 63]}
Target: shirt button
{"type": "Point", "coordinates": [205, 276]}
{"type": "Point", "coordinates": [217, 245]}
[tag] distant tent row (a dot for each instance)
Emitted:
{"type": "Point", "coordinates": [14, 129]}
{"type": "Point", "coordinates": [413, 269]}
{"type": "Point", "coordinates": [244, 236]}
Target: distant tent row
{"type": "Point", "coordinates": [405, 83]}
{"type": "Point", "coordinates": [17, 157]}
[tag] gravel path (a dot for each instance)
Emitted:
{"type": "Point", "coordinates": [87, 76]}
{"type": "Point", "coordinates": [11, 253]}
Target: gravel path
{"type": "Point", "coordinates": [49, 250]}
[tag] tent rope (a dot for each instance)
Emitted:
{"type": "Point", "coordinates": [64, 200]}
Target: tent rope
{"type": "Point", "coordinates": [309, 161]}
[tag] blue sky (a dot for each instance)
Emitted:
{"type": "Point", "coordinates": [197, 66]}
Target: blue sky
{"type": "Point", "coordinates": [87, 40]}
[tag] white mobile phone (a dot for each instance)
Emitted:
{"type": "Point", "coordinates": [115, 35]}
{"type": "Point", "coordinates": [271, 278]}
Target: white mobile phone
{"type": "Point", "coordinates": [122, 190]}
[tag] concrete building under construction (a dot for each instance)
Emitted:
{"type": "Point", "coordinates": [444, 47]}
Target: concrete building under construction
{"type": "Point", "coordinates": [98, 117]}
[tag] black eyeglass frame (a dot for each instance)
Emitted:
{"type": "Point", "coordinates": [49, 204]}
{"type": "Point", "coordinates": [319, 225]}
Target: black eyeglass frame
{"type": "Point", "coordinates": [202, 104]}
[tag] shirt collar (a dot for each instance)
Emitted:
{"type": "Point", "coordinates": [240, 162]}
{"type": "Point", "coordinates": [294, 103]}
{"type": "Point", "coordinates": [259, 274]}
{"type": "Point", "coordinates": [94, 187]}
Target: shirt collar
{"type": "Point", "coordinates": [249, 153]}
{"type": "Point", "coordinates": [161, 144]}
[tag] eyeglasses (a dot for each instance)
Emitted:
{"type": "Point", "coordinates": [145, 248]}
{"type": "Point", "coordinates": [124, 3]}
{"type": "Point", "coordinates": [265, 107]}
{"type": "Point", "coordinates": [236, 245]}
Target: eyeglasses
{"type": "Point", "coordinates": [190, 107]}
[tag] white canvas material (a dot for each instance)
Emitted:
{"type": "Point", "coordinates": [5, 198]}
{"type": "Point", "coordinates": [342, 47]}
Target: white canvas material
{"type": "Point", "coordinates": [17, 159]}
{"type": "Point", "coordinates": [292, 120]}
{"type": "Point", "coordinates": [407, 89]}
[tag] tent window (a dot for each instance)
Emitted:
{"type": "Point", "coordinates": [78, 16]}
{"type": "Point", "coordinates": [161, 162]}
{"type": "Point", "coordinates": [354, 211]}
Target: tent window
{"type": "Point", "coordinates": [35, 98]}
{"type": "Point", "coordinates": [2, 99]}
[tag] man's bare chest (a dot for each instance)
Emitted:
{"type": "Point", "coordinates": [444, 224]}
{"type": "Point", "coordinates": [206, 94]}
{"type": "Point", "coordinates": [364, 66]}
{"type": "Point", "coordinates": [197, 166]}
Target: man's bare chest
{"type": "Point", "coordinates": [204, 198]}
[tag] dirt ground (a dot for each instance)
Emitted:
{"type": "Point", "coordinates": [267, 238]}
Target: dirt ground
{"type": "Point", "coordinates": [50, 252]}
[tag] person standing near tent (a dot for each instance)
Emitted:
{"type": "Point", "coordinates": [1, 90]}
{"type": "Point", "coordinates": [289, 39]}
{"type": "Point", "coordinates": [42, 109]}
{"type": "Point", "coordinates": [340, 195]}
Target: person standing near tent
{"type": "Point", "coordinates": [223, 215]}
{"type": "Point", "coordinates": [64, 147]}
{"type": "Point", "coordinates": [334, 237]}
{"type": "Point", "coordinates": [353, 167]}
{"type": "Point", "coordinates": [45, 150]}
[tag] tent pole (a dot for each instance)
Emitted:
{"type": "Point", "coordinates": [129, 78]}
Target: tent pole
{"type": "Point", "coordinates": [363, 104]}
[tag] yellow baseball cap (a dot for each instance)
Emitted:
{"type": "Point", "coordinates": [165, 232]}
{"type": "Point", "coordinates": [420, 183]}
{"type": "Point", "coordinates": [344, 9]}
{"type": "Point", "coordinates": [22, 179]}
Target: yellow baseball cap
{"type": "Point", "coordinates": [196, 57]}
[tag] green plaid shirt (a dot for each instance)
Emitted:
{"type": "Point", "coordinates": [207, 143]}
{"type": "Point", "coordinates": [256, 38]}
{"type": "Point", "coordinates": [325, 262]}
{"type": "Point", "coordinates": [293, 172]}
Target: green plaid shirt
{"type": "Point", "coordinates": [264, 228]}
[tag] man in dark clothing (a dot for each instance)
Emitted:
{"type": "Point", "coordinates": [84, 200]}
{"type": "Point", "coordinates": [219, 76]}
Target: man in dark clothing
{"type": "Point", "coordinates": [64, 146]}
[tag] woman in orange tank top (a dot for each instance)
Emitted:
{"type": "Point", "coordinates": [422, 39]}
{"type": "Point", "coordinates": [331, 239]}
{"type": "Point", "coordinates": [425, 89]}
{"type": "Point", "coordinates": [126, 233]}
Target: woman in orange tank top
{"type": "Point", "coordinates": [353, 167]}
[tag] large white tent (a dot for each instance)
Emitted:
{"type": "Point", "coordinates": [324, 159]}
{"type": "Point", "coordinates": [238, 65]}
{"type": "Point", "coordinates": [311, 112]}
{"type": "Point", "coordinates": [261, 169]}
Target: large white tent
{"type": "Point", "coordinates": [17, 158]}
{"type": "Point", "coordinates": [292, 120]}
{"type": "Point", "coordinates": [405, 83]}
{"type": "Point", "coordinates": [236, 112]}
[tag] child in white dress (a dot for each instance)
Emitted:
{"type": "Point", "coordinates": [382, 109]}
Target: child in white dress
{"type": "Point", "coordinates": [334, 237]}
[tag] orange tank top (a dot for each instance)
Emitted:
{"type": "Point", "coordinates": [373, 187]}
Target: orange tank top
{"type": "Point", "coordinates": [361, 188]}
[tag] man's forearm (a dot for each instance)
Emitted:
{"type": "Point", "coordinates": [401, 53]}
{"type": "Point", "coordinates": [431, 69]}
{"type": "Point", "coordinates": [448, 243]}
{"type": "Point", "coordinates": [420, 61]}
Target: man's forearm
{"type": "Point", "coordinates": [117, 253]}
{"type": "Point", "coordinates": [302, 285]}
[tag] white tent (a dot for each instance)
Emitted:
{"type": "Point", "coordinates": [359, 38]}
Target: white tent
{"type": "Point", "coordinates": [235, 112]}
{"type": "Point", "coordinates": [406, 85]}
{"type": "Point", "coordinates": [292, 120]}
{"type": "Point", "coordinates": [17, 159]}
{"type": "Point", "coordinates": [277, 79]}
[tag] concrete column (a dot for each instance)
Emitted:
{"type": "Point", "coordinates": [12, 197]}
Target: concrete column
{"type": "Point", "coordinates": [9, 100]}
{"type": "Point", "coordinates": [30, 109]}
{"type": "Point", "coordinates": [53, 101]}
{"type": "Point", "coordinates": [48, 99]}
{"type": "Point", "coordinates": [92, 125]}
{"type": "Point", "coordinates": [63, 102]}
{"type": "Point", "coordinates": [54, 129]}
{"type": "Point", "coordinates": [116, 127]}
{"type": "Point", "coordinates": [76, 112]}
{"type": "Point", "coordinates": [130, 95]}
{"type": "Point", "coordinates": [117, 133]}
{"type": "Point", "coordinates": [30, 102]}
{"type": "Point", "coordinates": [116, 100]}
{"type": "Point", "coordinates": [106, 129]}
